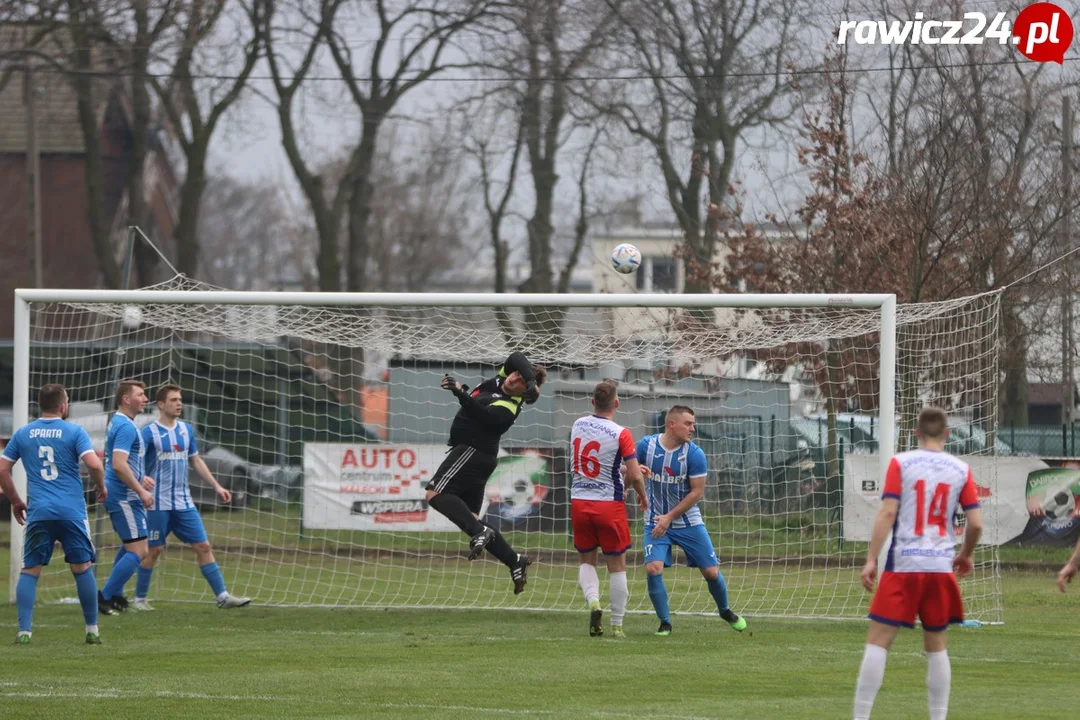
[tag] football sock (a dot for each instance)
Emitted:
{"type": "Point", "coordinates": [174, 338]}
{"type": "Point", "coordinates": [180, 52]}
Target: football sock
{"type": "Point", "coordinates": [659, 598]}
{"type": "Point", "coordinates": [213, 575]}
{"type": "Point", "coordinates": [25, 595]}
{"type": "Point", "coordinates": [458, 512]}
{"type": "Point", "coordinates": [121, 573]}
{"type": "Point", "coordinates": [142, 581]}
{"type": "Point", "coordinates": [86, 585]}
{"type": "Point", "coordinates": [938, 683]}
{"type": "Point", "coordinates": [502, 550]}
{"type": "Point", "coordinates": [718, 589]}
{"type": "Point", "coordinates": [589, 582]}
{"type": "Point", "coordinates": [871, 673]}
{"type": "Point", "coordinates": [620, 594]}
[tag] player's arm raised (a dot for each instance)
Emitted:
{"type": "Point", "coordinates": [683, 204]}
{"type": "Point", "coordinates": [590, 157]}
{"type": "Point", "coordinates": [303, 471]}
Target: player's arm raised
{"type": "Point", "coordinates": [18, 507]}
{"type": "Point", "coordinates": [517, 362]}
{"type": "Point", "coordinates": [498, 416]}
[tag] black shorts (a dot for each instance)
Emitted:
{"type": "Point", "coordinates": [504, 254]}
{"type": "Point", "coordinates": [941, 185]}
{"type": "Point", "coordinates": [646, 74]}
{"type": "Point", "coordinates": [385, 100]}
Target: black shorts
{"type": "Point", "coordinates": [464, 473]}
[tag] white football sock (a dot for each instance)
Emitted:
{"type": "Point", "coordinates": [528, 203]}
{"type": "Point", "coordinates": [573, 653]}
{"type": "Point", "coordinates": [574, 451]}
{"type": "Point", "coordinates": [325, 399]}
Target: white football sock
{"type": "Point", "coordinates": [938, 683]}
{"type": "Point", "coordinates": [589, 582]}
{"type": "Point", "coordinates": [619, 593]}
{"type": "Point", "coordinates": [871, 673]}
{"type": "Point", "coordinates": [92, 629]}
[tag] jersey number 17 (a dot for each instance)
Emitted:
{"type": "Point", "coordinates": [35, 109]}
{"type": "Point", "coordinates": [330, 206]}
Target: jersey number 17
{"type": "Point", "coordinates": [935, 514]}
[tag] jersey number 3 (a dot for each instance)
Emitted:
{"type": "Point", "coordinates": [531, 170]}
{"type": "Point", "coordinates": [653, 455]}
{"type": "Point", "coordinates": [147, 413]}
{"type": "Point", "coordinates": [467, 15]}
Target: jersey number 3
{"type": "Point", "coordinates": [585, 461]}
{"type": "Point", "coordinates": [935, 514]}
{"type": "Point", "coordinates": [48, 462]}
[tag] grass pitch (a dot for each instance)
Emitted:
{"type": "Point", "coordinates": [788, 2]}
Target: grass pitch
{"type": "Point", "coordinates": [193, 660]}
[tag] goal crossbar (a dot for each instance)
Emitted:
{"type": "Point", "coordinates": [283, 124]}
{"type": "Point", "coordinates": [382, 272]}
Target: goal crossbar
{"type": "Point", "coordinates": [886, 303]}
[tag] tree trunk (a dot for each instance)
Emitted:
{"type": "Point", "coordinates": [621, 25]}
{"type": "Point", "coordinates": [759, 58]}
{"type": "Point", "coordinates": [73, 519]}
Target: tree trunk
{"type": "Point", "coordinates": [145, 258]}
{"type": "Point", "coordinates": [187, 241]}
{"type": "Point", "coordinates": [1014, 365]}
{"type": "Point", "coordinates": [361, 193]}
{"type": "Point", "coordinates": [502, 250]}
{"type": "Point", "coordinates": [91, 135]}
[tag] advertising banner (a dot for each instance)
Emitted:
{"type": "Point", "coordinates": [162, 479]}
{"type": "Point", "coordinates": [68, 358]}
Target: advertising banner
{"type": "Point", "coordinates": [382, 487]}
{"type": "Point", "coordinates": [1029, 503]}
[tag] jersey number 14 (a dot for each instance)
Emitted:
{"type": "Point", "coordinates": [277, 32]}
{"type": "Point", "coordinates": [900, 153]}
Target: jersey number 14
{"type": "Point", "coordinates": [935, 514]}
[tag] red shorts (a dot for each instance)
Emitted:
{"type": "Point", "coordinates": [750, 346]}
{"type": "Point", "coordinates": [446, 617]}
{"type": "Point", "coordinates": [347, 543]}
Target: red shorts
{"type": "Point", "coordinates": [933, 596]}
{"type": "Point", "coordinates": [600, 524]}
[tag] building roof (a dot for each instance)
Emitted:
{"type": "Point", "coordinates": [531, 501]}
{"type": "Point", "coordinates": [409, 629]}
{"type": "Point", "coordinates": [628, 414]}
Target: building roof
{"type": "Point", "coordinates": [55, 107]}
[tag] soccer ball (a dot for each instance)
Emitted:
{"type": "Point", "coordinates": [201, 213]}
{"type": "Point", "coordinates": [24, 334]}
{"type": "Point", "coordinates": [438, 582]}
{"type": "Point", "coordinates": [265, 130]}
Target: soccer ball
{"type": "Point", "coordinates": [625, 258]}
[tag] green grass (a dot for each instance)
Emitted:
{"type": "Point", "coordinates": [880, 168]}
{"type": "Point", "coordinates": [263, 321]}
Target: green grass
{"type": "Point", "coordinates": [193, 660]}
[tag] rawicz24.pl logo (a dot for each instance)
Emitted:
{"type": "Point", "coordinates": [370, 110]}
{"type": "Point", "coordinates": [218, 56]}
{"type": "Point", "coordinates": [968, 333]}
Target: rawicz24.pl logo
{"type": "Point", "coordinates": [1041, 32]}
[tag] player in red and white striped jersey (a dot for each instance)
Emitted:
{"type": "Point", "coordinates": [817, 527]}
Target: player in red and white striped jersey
{"type": "Point", "coordinates": [600, 448]}
{"type": "Point", "coordinates": [922, 490]}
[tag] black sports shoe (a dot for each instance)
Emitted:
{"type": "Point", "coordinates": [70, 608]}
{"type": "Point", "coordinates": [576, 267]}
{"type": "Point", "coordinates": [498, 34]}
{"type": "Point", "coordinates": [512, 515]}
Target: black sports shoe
{"type": "Point", "coordinates": [479, 542]}
{"type": "Point", "coordinates": [120, 603]}
{"type": "Point", "coordinates": [518, 573]}
{"type": "Point", "coordinates": [105, 607]}
{"type": "Point", "coordinates": [665, 629]}
{"type": "Point", "coordinates": [596, 626]}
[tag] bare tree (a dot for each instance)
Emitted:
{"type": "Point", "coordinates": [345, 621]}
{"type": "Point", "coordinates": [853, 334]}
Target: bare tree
{"type": "Point", "coordinates": [540, 51]}
{"type": "Point", "coordinates": [132, 30]}
{"type": "Point", "coordinates": [480, 144]}
{"type": "Point", "coordinates": [81, 20]}
{"type": "Point", "coordinates": [713, 70]}
{"type": "Point", "coordinates": [249, 239]}
{"type": "Point", "coordinates": [419, 211]}
{"type": "Point", "coordinates": [195, 106]}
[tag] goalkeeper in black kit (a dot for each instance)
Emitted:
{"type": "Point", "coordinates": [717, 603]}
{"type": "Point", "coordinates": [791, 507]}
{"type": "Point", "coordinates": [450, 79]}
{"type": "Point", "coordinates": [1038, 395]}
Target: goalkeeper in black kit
{"type": "Point", "coordinates": [457, 488]}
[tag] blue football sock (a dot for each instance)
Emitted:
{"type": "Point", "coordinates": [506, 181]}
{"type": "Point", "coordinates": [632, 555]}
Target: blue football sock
{"type": "Point", "coordinates": [718, 588]}
{"type": "Point", "coordinates": [658, 595]}
{"type": "Point", "coordinates": [213, 575]}
{"type": "Point", "coordinates": [86, 584]}
{"type": "Point", "coordinates": [121, 573]}
{"type": "Point", "coordinates": [25, 595]}
{"type": "Point", "coordinates": [119, 555]}
{"type": "Point", "coordinates": [142, 581]}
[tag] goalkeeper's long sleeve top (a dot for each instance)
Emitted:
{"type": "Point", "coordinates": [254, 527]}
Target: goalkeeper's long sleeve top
{"type": "Point", "coordinates": [487, 412]}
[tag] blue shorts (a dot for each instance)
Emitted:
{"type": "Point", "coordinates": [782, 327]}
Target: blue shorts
{"type": "Point", "coordinates": [129, 521]}
{"type": "Point", "coordinates": [694, 541]}
{"type": "Point", "coordinates": [42, 535]}
{"type": "Point", "coordinates": [185, 524]}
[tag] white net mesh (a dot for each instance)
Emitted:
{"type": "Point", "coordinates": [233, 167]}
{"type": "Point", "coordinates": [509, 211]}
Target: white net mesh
{"type": "Point", "coordinates": [326, 421]}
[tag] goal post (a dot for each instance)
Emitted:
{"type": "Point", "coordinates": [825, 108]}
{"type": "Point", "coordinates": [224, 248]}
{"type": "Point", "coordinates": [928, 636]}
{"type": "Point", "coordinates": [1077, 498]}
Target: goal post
{"type": "Point", "coordinates": [277, 379]}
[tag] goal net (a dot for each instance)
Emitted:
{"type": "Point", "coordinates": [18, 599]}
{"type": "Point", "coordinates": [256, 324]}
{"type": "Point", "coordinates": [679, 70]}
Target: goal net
{"type": "Point", "coordinates": [325, 422]}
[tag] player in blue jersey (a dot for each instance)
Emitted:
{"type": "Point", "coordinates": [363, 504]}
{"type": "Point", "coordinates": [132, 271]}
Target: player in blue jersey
{"type": "Point", "coordinates": [55, 509]}
{"type": "Point", "coordinates": [170, 446]}
{"type": "Point", "coordinates": [675, 471]}
{"type": "Point", "coordinates": [129, 495]}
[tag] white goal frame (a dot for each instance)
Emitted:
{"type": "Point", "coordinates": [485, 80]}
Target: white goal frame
{"type": "Point", "coordinates": [885, 303]}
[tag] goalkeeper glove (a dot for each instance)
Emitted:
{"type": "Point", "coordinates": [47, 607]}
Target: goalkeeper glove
{"type": "Point", "coordinates": [532, 393]}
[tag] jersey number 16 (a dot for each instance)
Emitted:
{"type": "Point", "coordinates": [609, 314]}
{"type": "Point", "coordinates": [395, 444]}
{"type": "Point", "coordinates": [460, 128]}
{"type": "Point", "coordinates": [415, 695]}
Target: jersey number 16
{"type": "Point", "coordinates": [585, 461]}
{"type": "Point", "coordinates": [935, 514]}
